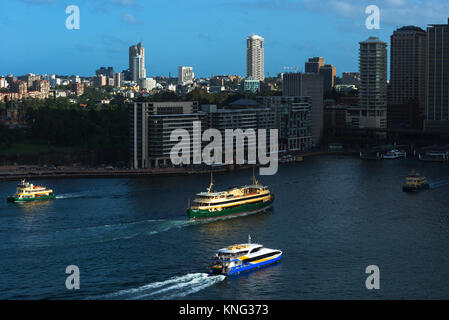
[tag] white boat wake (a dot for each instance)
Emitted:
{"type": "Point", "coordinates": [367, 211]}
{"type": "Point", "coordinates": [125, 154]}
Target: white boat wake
{"type": "Point", "coordinates": [175, 287]}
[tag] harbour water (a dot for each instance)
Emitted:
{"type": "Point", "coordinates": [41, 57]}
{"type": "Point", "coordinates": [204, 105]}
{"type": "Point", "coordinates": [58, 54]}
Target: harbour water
{"type": "Point", "coordinates": [333, 216]}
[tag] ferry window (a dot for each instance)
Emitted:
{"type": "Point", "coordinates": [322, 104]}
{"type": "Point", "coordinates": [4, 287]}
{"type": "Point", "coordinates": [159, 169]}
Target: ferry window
{"type": "Point", "coordinates": [255, 250]}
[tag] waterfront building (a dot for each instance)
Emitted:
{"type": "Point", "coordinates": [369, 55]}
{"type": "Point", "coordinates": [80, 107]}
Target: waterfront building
{"type": "Point", "coordinates": [407, 87]}
{"type": "Point", "coordinates": [185, 75]}
{"type": "Point", "coordinates": [293, 118]}
{"type": "Point", "coordinates": [373, 83]}
{"type": "Point", "coordinates": [437, 78]}
{"type": "Point", "coordinates": [243, 114]}
{"type": "Point", "coordinates": [255, 58]}
{"type": "Point", "coordinates": [307, 85]}
{"type": "Point", "coordinates": [150, 126]}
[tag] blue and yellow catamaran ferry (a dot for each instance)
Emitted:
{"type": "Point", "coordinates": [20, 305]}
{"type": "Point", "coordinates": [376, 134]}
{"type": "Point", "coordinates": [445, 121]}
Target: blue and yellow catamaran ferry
{"type": "Point", "coordinates": [243, 257]}
{"type": "Point", "coordinates": [235, 201]}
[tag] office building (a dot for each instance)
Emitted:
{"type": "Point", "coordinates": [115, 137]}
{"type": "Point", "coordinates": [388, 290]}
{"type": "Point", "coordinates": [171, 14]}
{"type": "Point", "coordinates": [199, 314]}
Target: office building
{"type": "Point", "coordinates": [329, 73]}
{"type": "Point", "coordinates": [307, 85]}
{"type": "Point", "coordinates": [294, 121]}
{"type": "Point", "coordinates": [351, 78]}
{"type": "Point", "coordinates": [151, 124]}
{"type": "Point", "coordinates": [407, 87]}
{"type": "Point", "coordinates": [437, 78]}
{"type": "Point", "coordinates": [314, 65]}
{"type": "Point", "coordinates": [255, 58]}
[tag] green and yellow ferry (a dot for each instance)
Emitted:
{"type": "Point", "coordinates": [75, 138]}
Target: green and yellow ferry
{"type": "Point", "coordinates": [29, 192]}
{"type": "Point", "coordinates": [235, 201]}
{"type": "Point", "coordinates": [415, 182]}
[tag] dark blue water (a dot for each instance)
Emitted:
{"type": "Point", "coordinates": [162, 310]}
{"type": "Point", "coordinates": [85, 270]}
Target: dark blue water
{"type": "Point", "coordinates": [333, 216]}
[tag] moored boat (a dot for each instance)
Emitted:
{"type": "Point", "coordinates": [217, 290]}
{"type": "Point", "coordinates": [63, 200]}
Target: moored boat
{"type": "Point", "coordinates": [415, 182]}
{"type": "Point", "coordinates": [243, 257]}
{"type": "Point", "coordinates": [28, 192]}
{"type": "Point", "coordinates": [235, 201]}
{"type": "Point", "coordinates": [395, 154]}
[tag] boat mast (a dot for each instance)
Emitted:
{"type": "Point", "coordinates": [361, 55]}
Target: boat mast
{"type": "Point", "coordinates": [211, 183]}
{"type": "Point", "coordinates": [255, 182]}
{"type": "Point", "coordinates": [249, 239]}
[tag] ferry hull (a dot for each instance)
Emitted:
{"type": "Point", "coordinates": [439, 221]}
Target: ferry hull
{"type": "Point", "coordinates": [249, 208]}
{"type": "Point", "coordinates": [15, 199]}
{"type": "Point", "coordinates": [247, 267]}
{"type": "Point", "coordinates": [415, 189]}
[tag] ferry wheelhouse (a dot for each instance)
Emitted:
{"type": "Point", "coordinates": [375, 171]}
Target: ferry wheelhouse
{"type": "Point", "coordinates": [415, 182]}
{"type": "Point", "coordinates": [244, 257]}
{"type": "Point", "coordinates": [235, 201]}
{"type": "Point", "coordinates": [29, 192]}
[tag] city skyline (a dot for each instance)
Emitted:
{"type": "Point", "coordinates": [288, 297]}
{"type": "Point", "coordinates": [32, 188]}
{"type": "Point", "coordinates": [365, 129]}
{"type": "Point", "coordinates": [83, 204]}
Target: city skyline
{"type": "Point", "coordinates": [109, 27]}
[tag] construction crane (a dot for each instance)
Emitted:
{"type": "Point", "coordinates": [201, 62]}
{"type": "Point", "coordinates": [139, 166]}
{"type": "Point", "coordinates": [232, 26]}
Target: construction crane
{"type": "Point", "coordinates": [295, 68]}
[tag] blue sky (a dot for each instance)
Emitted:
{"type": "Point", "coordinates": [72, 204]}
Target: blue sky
{"type": "Point", "coordinates": [208, 35]}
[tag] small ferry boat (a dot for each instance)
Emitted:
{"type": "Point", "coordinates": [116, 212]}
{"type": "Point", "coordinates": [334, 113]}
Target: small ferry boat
{"type": "Point", "coordinates": [395, 154]}
{"type": "Point", "coordinates": [239, 258]}
{"type": "Point", "coordinates": [29, 192]}
{"type": "Point", "coordinates": [415, 182]}
{"type": "Point", "coordinates": [232, 202]}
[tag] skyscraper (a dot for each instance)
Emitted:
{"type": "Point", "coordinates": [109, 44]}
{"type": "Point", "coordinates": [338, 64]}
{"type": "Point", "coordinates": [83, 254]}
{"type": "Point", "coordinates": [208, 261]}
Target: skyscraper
{"type": "Point", "coordinates": [314, 65]}
{"type": "Point", "coordinates": [255, 58]}
{"type": "Point", "coordinates": [373, 83]}
{"type": "Point", "coordinates": [437, 76]}
{"type": "Point", "coordinates": [329, 73]}
{"type": "Point", "coordinates": [317, 65]}
{"type": "Point", "coordinates": [134, 51]}
{"type": "Point", "coordinates": [407, 90]}
{"type": "Point", "coordinates": [138, 71]}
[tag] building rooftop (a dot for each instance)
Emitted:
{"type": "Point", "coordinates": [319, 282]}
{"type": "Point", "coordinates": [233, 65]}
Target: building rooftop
{"type": "Point", "coordinates": [244, 103]}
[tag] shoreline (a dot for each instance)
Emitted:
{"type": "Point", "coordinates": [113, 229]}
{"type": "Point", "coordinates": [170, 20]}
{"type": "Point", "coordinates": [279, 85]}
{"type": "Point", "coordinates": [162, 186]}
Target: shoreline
{"type": "Point", "coordinates": [12, 173]}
